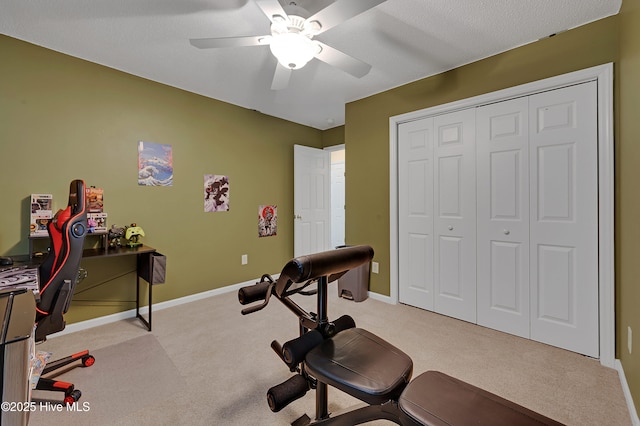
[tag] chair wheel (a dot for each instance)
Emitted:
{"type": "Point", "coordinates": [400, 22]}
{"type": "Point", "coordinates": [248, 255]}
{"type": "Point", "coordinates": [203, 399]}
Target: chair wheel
{"type": "Point", "coordinates": [88, 360]}
{"type": "Point", "coordinates": [74, 396]}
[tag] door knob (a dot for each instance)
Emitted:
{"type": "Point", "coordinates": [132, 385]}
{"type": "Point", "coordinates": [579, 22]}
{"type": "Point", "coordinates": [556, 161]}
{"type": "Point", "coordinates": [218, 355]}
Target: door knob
{"type": "Point", "coordinates": [450, 228]}
{"type": "Point", "coordinates": [506, 232]}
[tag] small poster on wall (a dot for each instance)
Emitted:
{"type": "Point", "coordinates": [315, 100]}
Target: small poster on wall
{"type": "Point", "coordinates": [216, 193]}
{"type": "Point", "coordinates": [267, 220]}
{"type": "Point", "coordinates": [155, 164]}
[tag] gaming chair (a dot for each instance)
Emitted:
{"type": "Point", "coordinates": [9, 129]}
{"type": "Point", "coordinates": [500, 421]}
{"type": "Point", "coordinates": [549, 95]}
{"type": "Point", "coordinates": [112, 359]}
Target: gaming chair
{"type": "Point", "coordinates": [59, 274]}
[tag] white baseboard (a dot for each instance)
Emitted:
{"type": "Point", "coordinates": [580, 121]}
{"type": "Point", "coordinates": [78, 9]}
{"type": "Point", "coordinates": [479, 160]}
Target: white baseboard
{"type": "Point", "coordinates": [627, 393]}
{"type": "Point", "coordinates": [381, 298]}
{"type": "Point", "coordinates": [107, 319]}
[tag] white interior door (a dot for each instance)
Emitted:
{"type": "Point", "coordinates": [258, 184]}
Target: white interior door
{"type": "Point", "coordinates": [312, 202]}
{"type": "Point", "coordinates": [564, 218]}
{"type": "Point", "coordinates": [503, 216]}
{"type": "Point", "coordinates": [454, 227]}
{"type": "Point", "coordinates": [415, 209]}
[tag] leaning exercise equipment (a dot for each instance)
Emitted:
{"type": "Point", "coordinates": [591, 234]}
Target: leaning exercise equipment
{"type": "Point", "coordinates": [361, 364]}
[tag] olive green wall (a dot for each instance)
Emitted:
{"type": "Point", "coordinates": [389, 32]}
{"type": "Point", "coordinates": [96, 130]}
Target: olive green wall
{"type": "Point", "coordinates": [332, 137]}
{"type": "Point", "coordinates": [628, 200]}
{"type": "Point", "coordinates": [63, 118]}
{"type": "Point", "coordinates": [615, 39]}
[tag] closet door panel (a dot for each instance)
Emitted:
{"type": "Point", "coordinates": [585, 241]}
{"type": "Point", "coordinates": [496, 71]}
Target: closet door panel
{"type": "Point", "coordinates": [556, 197]}
{"type": "Point", "coordinates": [557, 283]}
{"type": "Point", "coordinates": [564, 222]}
{"type": "Point", "coordinates": [503, 216]}
{"type": "Point", "coordinates": [415, 193]}
{"type": "Point", "coordinates": [451, 270]}
{"type": "Point", "coordinates": [505, 293]}
{"type": "Point", "coordinates": [454, 221]}
{"type": "Point", "coordinates": [450, 183]}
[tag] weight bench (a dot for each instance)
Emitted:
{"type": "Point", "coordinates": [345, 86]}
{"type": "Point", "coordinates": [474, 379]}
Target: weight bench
{"type": "Point", "coordinates": [361, 364]}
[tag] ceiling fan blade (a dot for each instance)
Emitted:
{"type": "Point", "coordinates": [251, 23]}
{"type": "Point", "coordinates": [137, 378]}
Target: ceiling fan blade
{"type": "Point", "coordinates": [271, 8]}
{"type": "Point", "coordinates": [341, 60]}
{"type": "Point", "coordinates": [281, 77]}
{"type": "Point", "coordinates": [212, 43]}
{"type": "Point", "coordinates": [340, 11]}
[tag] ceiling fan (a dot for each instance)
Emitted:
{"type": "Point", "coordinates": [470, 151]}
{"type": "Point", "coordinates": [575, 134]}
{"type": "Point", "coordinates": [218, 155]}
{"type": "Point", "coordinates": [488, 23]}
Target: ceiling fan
{"type": "Point", "coordinates": [291, 39]}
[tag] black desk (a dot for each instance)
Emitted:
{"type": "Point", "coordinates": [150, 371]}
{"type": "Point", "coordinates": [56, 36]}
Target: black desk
{"type": "Point", "coordinates": [144, 254]}
{"type": "Point", "coordinates": [145, 259]}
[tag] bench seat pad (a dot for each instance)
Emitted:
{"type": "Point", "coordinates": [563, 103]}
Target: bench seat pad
{"type": "Point", "coordinates": [361, 364]}
{"type": "Point", "coordinates": [435, 399]}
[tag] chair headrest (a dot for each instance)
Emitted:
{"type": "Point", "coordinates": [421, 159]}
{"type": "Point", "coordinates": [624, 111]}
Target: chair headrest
{"type": "Point", "coordinates": [326, 263]}
{"type": "Point", "coordinates": [76, 196]}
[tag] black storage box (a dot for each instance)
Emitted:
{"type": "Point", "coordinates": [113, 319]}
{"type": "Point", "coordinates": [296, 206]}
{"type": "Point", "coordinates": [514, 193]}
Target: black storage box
{"type": "Point", "coordinates": [158, 264]}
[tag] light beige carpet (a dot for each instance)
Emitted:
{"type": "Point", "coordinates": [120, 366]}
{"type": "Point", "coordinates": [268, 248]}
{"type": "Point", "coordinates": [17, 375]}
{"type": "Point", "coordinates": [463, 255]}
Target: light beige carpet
{"type": "Point", "coordinates": [223, 366]}
{"type": "Point", "coordinates": [126, 376]}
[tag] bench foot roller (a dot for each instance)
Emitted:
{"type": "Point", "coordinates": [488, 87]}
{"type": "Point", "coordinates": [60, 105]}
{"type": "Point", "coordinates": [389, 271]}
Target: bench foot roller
{"type": "Point", "coordinates": [286, 392]}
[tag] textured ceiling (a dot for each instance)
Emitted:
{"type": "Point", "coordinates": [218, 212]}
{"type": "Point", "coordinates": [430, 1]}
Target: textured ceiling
{"type": "Point", "coordinates": [404, 40]}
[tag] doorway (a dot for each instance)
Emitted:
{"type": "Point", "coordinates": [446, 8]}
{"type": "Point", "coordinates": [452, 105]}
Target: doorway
{"type": "Point", "coordinates": [319, 199]}
{"type": "Point", "coordinates": [337, 195]}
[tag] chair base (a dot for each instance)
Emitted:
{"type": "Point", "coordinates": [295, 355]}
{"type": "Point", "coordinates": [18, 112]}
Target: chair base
{"type": "Point", "coordinates": [71, 394]}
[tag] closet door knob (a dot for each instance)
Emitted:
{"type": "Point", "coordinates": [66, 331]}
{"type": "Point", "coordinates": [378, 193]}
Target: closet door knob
{"type": "Point", "coordinates": [450, 228]}
{"type": "Point", "coordinates": [506, 232]}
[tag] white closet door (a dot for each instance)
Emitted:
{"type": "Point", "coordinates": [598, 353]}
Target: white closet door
{"type": "Point", "coordinates": [564, 222]}
{"type": "Point", "coordinates": [455, 215]}
{"type": "Point", "coordinates": [503, 216]}
{"type": "Point", "coordinates": [415, 210]}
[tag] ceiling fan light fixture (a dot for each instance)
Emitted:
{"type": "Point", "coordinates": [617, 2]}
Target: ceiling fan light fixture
{"type": "Point", "coordinates": [293, 50]}
{"type": "Point", "coordinates": [312, 27]}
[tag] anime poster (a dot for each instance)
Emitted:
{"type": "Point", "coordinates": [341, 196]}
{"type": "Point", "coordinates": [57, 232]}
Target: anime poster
{"type": "Point", "coordinates": [216, 193]}
{"type": "Point", "coordinates": [155, 164]}
{"type": "Point", "coordinates": [267, 221]}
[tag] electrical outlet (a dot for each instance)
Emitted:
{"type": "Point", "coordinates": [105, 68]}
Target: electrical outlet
{"type": "Point", "coordinates": [629, 339]}
{"type": "Point", "coordinates": [374, 267]}
{"type": "Point", "coordinates": [245, 259]}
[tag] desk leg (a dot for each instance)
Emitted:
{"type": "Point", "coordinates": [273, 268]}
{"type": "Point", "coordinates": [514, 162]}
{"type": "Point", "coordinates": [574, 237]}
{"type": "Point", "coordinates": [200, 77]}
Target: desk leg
{"type": "Point", "coordinates": [150, 287]}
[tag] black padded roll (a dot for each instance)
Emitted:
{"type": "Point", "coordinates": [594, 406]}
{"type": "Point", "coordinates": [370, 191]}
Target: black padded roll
{"type": "Point", "coordinates": [285, 393]}
{"type": "Point", "coordinates": [343, 323]}
{"type": "Point", "coordinates": [253, 293]}
{"type": "Point", "coordinates": [295, 350]}
{"type": "Point", "coordinates": [312, 266]}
